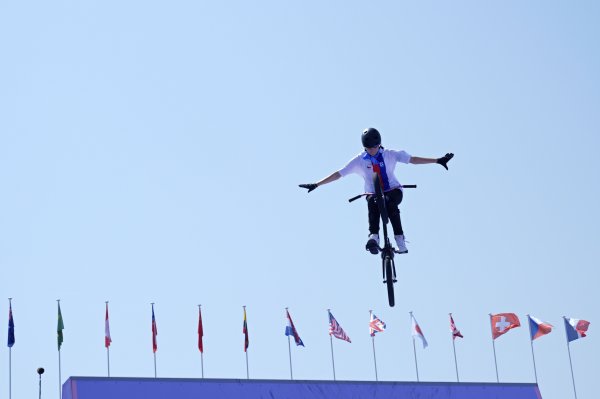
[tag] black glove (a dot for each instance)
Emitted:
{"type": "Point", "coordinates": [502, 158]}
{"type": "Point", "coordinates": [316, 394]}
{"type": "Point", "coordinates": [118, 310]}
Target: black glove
{"type": "Point", "coordinates": [310, 186]}
{"type": "Point", "coordinates": [444, 160]}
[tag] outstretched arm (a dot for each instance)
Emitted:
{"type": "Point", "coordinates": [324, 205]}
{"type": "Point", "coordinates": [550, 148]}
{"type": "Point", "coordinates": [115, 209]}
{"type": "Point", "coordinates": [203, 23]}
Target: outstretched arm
{"type": "Point", "coordinates": [332, 177]}
{"type": "Point", "coordinates": [422, 161]}
{"type": "Point", "coordinates": [442, 161]}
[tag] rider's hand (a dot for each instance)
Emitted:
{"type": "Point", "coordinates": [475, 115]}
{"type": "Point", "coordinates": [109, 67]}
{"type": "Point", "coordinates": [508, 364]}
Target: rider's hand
{"type": "Point", "coordinates": [310, 186]}
{"type": "Point", "coordinates": [444, 160]}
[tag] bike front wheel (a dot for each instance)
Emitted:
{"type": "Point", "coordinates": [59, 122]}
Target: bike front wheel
{"type": "Point", "coordinates": [389, 279]}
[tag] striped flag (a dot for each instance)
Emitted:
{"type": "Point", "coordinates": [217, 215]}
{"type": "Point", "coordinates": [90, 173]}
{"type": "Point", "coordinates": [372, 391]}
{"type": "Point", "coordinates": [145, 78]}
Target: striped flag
{"type": "Point", "coordinates": [417, 332]}
{"type": "Point", "coordinates": [455, 332]}
{"type": "Point", "coordinates": [154, 332]}
{"type": "Point", "coordinates": [200, 331]}
{"type": "Point", "coordinates": [375, 325]}
{"type": "Point", "coordinates": [336, 330]}
{"type": "Point", "coordinates": [245, 331]}
{"type": "Point", "coordinates": [290, 329]}
{"type": "Point", "coordinates": [107, 339]}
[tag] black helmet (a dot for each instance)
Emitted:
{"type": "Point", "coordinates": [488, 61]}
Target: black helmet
{"type": "Point", "coordinates": [371, 138]}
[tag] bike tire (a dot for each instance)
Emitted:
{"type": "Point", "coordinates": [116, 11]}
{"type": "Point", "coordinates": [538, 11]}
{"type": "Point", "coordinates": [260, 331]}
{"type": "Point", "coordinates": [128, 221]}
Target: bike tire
{"type": "Point", "coordinates": [389, 279]}
{"type": "Point", "coordinates": [379, 195]}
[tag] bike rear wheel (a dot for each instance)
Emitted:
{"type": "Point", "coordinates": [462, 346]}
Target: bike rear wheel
{"type": "Point", "coordinates": [389, 279]}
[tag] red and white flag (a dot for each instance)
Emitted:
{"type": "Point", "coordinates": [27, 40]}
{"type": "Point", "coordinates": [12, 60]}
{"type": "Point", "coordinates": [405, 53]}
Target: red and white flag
{"type": "Point", "coordinates": [107, 339]}
{"type": "Point", "coordinates": [417, 332]}
{"type": "Point", "coordinates": [503, 323]}
{"type": "Point", "coordinates": [455, 332]}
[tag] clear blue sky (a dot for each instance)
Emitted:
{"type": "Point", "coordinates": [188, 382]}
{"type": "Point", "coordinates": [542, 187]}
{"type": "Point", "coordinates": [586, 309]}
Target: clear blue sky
{"type": "Point", "coordinates": [150, 152]}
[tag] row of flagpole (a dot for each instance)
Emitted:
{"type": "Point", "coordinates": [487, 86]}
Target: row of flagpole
{"type": "Point", "coordinates": [501, 323]}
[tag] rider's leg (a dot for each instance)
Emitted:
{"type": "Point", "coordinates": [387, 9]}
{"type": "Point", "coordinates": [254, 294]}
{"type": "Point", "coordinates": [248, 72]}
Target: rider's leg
{"type": "Point", "coordinates": [394, 198]}
{"type": "Point", "coordinates": [374, 217]}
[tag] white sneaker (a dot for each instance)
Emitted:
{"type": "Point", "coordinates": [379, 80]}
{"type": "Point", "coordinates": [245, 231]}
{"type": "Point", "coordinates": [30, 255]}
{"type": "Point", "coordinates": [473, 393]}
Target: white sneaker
{"type": "Point", "coordinates": [401, 244]}
{"type": "Point", "coordinates": [373, 244]}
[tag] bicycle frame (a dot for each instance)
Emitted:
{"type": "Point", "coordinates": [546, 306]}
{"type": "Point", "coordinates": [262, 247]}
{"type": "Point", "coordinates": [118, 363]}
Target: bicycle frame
{"type": "Point", "coordinates": [388, 267]}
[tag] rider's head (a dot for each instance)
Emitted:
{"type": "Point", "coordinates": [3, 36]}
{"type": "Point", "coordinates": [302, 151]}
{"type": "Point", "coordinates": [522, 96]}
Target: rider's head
{"type": "Point", "coordinates": [371, 138]}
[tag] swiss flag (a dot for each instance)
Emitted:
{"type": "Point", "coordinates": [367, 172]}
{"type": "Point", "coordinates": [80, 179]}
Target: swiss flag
{"type": "Point", "coordinates": [503, 322]}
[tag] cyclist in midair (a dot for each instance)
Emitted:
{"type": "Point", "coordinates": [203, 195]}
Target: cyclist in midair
{"type": "Point", "coordinates": [376, 159]}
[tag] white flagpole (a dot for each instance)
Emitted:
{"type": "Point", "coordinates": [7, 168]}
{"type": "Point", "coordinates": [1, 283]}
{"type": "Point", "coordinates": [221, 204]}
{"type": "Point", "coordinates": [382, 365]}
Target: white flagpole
{"type": "Point", "coordinates": [414, 349]}
{"type": "Point", "coordinates": [246, 349]}
{"type": "Point", "coordinates": [532, 354]}
{"type": "Point", "coordinates": [374, 357]}
{"type": "Point", "coordinates": [289, 348]}
{"type": "Point", "coordinates": [331, 344]}
{"type": "Point", "coordinates": [59, 366]}
{"type": "Point", "coordinates": [494, 347]}
{"type": "Point", "coordinates": [10, 361]}
{"type": "Point", "coordinates": [201, 352]}
{"type": "Point", "coordinates": [570, 362]}
{"type": "Point", "coordinates": [153, 338]}
{"type": "Point", "coordinates": [107, 348]}
{"type": "Point", "coordinates": [454, 349]}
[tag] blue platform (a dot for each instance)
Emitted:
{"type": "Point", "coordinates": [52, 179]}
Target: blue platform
{"type": "Point", "coordinates": [180, 388]}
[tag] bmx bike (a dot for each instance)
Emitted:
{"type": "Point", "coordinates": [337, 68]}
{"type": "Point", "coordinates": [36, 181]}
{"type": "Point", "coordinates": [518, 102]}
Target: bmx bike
{"type": "Point", "coordinates": [388, 267]}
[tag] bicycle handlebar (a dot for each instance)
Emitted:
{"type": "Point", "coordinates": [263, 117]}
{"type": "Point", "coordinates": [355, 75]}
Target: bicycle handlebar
{"type": "Point", "coordinates": [362, 195]}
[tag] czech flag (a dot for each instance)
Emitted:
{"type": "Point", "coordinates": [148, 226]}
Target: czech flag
{"type": "Point", "coordinates": [538, 327]}
{"type": "Point", "coordinates": [576, 328]}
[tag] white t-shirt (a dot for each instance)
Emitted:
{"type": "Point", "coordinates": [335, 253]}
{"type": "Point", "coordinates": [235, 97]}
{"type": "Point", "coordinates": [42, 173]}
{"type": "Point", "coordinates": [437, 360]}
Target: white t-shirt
{"type": "Point", "coordinates": [362, 166]}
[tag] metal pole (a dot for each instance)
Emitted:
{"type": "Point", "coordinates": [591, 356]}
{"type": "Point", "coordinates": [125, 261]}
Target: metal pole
{"type": "Point", "coordinates": [247, 371]}
{"type": "Point", "coordinates": [374, 359]}
{"type": "Point", "coordinates": [202, 351]}
{"type": "Point", "coordinates": [416, 364]}
{"type": "Point", "coordinates": [454, 350]}
{"type": "Point", "coordinates": [10, 360]}
{"type": "Point", "coordinates": [532, 354]}
{"type": "Point", "coordinates": [59, 377]}
{"type": "Point", "coordinates": [331, 344]}
{"type": "Point", "coordinates": [107, 348]}
{"type": "Point", "coordinates": [373, 339]}
{"type": "Point", "coordinates": [290, 353]}
{"type": "Point", "coordinates": [494, 347]}
{"type": "Point", "coordinates": [332, 361]}
{"type": "Point", "coordinates": [154, 364]}
{"type": "Point", "coordinates": [289, 350]}
{"type": "Point", "coordinates": [455, 362]}
{"type": "Point", "coordinates": [571, 364]}
{"type": "Point", "coordinates": [9, 373]}
{"type": "Point", "coordinates": [246, 349]}
{"type": "Point", "coordinates": [40, 390]}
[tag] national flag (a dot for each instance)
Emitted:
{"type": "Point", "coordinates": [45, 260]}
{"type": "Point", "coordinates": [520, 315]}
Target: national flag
{"type": "Point", "coordinates": [336, 330]}
{"type": "Point", "coordinates": [455, 332]}
{"type": "Point", "coordinates": [503, 322]}
{"type": "Point", "coordinates": [154, 332]}
{"type": "Point", "coordinates": [107, 339]}
{"type": "Point", "coordinates": [200, 331]}
{"type": "Point", "coordinates": [59, 328]}
{"type": "Point", "coordinates": [417, 332]}
{"type": "Point", "coordinates": [11, 327]}
{"type": "Point", "coordinates": [245, 331]}
{"type": "Point", "coordinates": [576, 328]}
{"type": "Point", "coordinates": [375, 325]}
{"type": "Point", "coordinates": [290, 329]}
{"type": "Point", "coordinates": [538, 328]}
